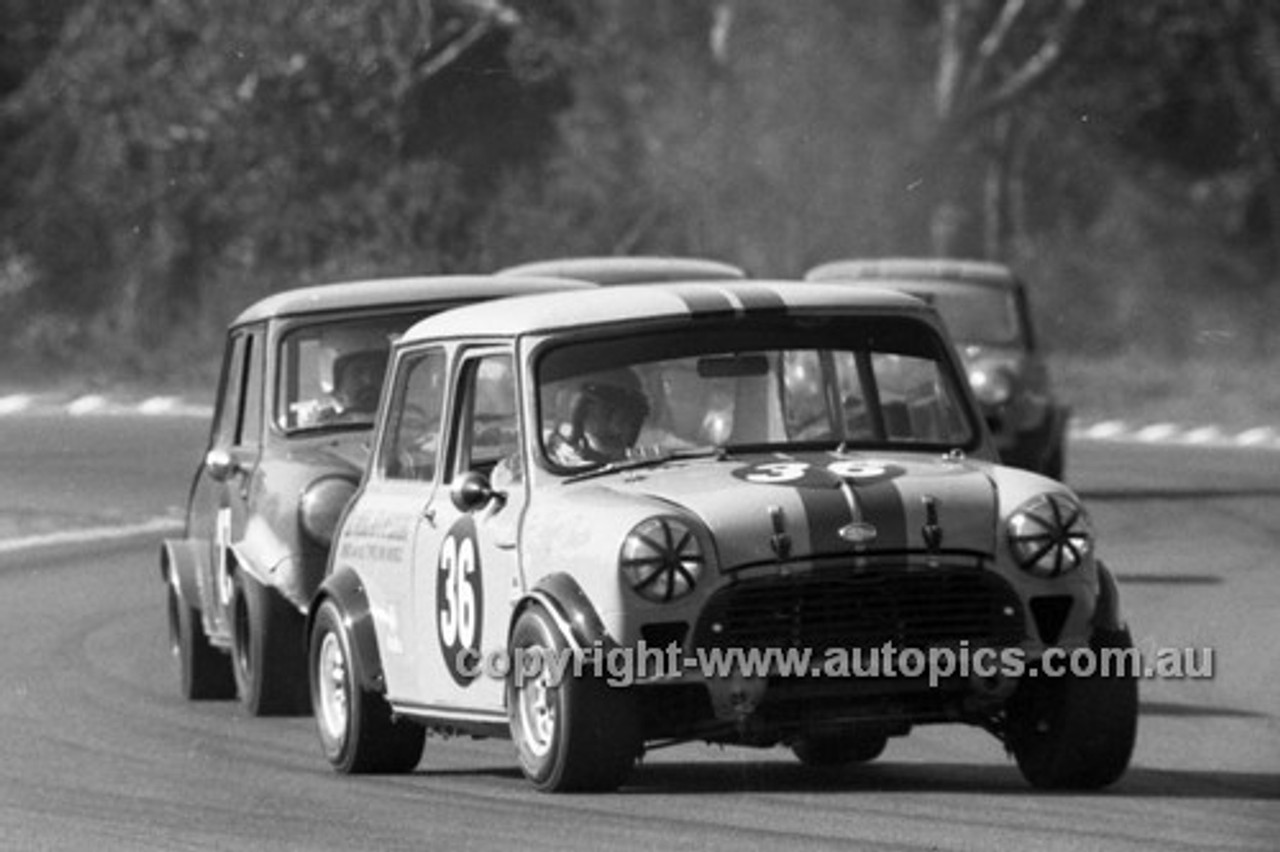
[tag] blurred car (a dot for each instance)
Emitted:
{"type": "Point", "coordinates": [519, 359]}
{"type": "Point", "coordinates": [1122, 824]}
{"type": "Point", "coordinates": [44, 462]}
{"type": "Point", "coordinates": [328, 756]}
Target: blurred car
{"type": "Point", "coordinates": [635, 269]}
{"type": "Point", "coordinates": [301, 379]}
{"type": "Point", "coordinates": [986, 309]}
{"type": "Point", "coordinates": [649, 477]}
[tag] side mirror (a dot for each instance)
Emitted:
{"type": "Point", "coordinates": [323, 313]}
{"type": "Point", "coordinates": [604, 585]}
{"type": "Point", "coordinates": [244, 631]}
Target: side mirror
{"type": "Point", "coordinates": [471, 491]}
{"type": "Point", "coordinates": [219, 464]}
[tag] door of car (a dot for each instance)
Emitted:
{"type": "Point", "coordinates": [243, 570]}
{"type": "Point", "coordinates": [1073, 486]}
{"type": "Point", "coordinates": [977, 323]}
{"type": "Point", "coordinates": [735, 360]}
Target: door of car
{"type": "Point", "coordinates": [379, 532]}
{"type": "Point", "coordinates": [465, 561]}
{"type": "Point", "coordinates": [230, 465]}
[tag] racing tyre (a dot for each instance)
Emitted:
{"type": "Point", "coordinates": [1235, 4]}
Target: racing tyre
{"type": "Point", "coordinates": [1075, 733]}
{"type": "Point", "coordinates": [267, 650]}
{"type": "Point", "coordinates": [358, 732]}
{"type": "Point", "coordinates": [579, 734]}
{"type": "Point", "coordinates": [204, 672]}
{"type": "Point", "coordinates": [838, 749]}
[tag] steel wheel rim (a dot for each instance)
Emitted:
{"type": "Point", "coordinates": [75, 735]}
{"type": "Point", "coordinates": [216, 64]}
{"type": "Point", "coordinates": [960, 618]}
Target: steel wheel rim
{"type": "Point", "coordinates": [538, 714]}
{"type": "Point", "coordinates": [331, 677]}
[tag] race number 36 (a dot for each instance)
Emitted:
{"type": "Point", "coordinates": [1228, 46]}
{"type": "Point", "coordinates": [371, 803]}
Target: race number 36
{"type": "Point", "coordinates": [459, 598]}
{"type": "Point", "coordinates": [809, 474]}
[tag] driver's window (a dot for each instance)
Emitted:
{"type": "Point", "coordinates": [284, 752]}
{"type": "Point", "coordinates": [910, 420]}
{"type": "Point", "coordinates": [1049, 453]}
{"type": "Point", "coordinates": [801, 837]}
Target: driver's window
{"type": "Point", "coordinates": [487, 423]}
{"type": "Point", "coordinates": [413, 442]}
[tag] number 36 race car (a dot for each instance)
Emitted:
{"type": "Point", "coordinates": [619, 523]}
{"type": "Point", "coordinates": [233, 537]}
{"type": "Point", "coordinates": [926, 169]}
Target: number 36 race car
{"type": "Point", "coordinates": [742, 512]}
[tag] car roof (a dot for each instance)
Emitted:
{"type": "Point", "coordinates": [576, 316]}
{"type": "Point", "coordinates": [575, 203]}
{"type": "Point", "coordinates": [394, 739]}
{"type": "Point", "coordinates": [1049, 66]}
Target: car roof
{"type": "Point", "coordinates": [397, 292]}
{"type": "Point", "coordinates": [909, 269]}
{"type": "Point", "coordinates": [635, 269]}
{"type": "Point", "coordinates": [658, 301]}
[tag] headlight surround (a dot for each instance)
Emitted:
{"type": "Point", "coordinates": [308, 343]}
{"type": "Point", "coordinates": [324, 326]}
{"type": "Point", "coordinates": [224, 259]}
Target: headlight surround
{"type": "Point", "coordinates": [1050, 535]}
{"type": "Point", "coordinates": [662, 559]}
{"type": "Point", "coordinates": [992, 384]}
{"type": "Point", "coordinates": [321, 506]}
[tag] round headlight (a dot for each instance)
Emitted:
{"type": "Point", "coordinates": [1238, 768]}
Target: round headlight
{"type": "Point", "coordinates": [1050, 535]}
{"type": "Point", "coordinates": [991, 385]}
{"type": "Point", "coordinates": [321, 506]}
{"type": "Point", "coordinates": [661, 559]}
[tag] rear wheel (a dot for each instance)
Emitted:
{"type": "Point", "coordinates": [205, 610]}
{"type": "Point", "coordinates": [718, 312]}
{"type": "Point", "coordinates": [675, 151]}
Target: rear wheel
{"type": "Point", "coordinates": [358, 732]}
{"type": "Point", "coordinates": [575, 734]}
{"type": "Point", "coordinates": [204, 671]}
{"type": "Point", "coordinates": [1075, 733]}
{"type": "Point", "coordinates": [267, 650]}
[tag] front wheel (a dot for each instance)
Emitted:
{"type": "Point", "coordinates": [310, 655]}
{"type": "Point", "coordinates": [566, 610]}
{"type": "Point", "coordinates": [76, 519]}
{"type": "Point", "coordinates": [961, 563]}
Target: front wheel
{"type": "Point", "coordinates": [577, 733]}
{"type": "Point", "coordinates": [1075, 733]}
{"type": "Point", "coordinates": [358, 732]}
{"type": "Point", "coordinates": [267, 650]}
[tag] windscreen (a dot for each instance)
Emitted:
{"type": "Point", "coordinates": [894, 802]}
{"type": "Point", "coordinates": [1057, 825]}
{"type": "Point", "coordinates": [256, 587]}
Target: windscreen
{"type": "Point", "coordinates": [787, 384]}
{"type": "Point", "coordinates": [331, 372]}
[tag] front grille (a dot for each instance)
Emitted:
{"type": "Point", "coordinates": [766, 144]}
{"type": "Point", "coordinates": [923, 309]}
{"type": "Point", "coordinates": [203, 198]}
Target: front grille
{"type": "Point", "coordinates": [839, 608]}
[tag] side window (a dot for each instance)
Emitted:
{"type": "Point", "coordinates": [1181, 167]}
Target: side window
{"type": "Point", "coordinates": [487, 430]}
{"type": "Point", "coordinates": [249, 431]}
{"type": "Point", "coordinates": [228, 417]}
{"type": "Point", "coordinates": [412, 445]}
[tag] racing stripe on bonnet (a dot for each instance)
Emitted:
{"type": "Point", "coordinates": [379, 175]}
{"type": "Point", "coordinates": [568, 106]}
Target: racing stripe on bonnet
{"type": "Point", "coordinates": [825, 511]}
{"type": "Point", "coordinates": [881, 505]}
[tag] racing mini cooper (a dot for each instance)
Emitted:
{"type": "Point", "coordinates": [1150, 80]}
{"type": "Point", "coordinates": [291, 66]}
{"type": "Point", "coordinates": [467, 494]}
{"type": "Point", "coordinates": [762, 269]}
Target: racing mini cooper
{"type": "Point", "coordinates": [301, 379]}
{"type": "Point", "coordinates": [739, 512]}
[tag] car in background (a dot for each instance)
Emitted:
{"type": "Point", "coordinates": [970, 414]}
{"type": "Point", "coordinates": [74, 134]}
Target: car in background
{"type": "Point", "coordinates": [634, 269]}
{"type": "Point", "coordinates": [581, 506]}
{"type": "Point", "coordinates": [985, 305]}
{"type": "Point", "coordinates": [299, 389]}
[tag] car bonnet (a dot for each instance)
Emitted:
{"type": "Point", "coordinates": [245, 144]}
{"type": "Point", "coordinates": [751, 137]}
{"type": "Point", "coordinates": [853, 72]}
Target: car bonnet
{"type": "Point", "coordinates": [823, 504]}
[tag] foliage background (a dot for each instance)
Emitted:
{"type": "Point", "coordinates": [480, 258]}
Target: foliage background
{"type": "Point", "coordinates": [164, 162]}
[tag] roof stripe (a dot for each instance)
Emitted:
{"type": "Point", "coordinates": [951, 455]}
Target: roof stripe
{"type": "Point", "coordinates": [702, 300]}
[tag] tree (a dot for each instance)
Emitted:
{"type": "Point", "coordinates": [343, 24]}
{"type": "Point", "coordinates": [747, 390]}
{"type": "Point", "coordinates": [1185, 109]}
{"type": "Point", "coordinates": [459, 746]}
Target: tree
{"type": "Point", "coordinates": [173, 158]}
{"type": "Point", "coordinates": [993, 55]}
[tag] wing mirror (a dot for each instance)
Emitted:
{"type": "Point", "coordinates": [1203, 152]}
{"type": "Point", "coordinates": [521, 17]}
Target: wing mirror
{"type": "Point", "coordinates": [472, 490]}
{"type": "Point", "coordinates": [219, 464]}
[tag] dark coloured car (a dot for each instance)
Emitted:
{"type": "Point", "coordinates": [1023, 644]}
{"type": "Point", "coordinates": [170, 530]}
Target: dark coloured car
{"type": "Point", "coordinates": [300, 385]}
{"type": "Point", "coordinates": [986, 308]}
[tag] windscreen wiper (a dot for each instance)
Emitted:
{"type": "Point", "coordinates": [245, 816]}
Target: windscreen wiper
{"type": "Point", "coordinates": [640, 462]}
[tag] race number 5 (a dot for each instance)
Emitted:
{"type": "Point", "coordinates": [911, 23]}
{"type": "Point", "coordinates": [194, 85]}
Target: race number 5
{"type": "Point", "coordinates": [459, 599]}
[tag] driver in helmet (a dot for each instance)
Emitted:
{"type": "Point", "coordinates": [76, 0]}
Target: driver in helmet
{"type": "Point", "coordinates": [605, 417]}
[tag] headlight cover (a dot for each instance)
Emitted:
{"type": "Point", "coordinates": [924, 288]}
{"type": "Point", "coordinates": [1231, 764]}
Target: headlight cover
{"type": "Point", "coordinates": [661, 559]}
{"type": "Point", "coordinates": [1050, 535]}
{"type": "Point", "coordinates": [322, 504]}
